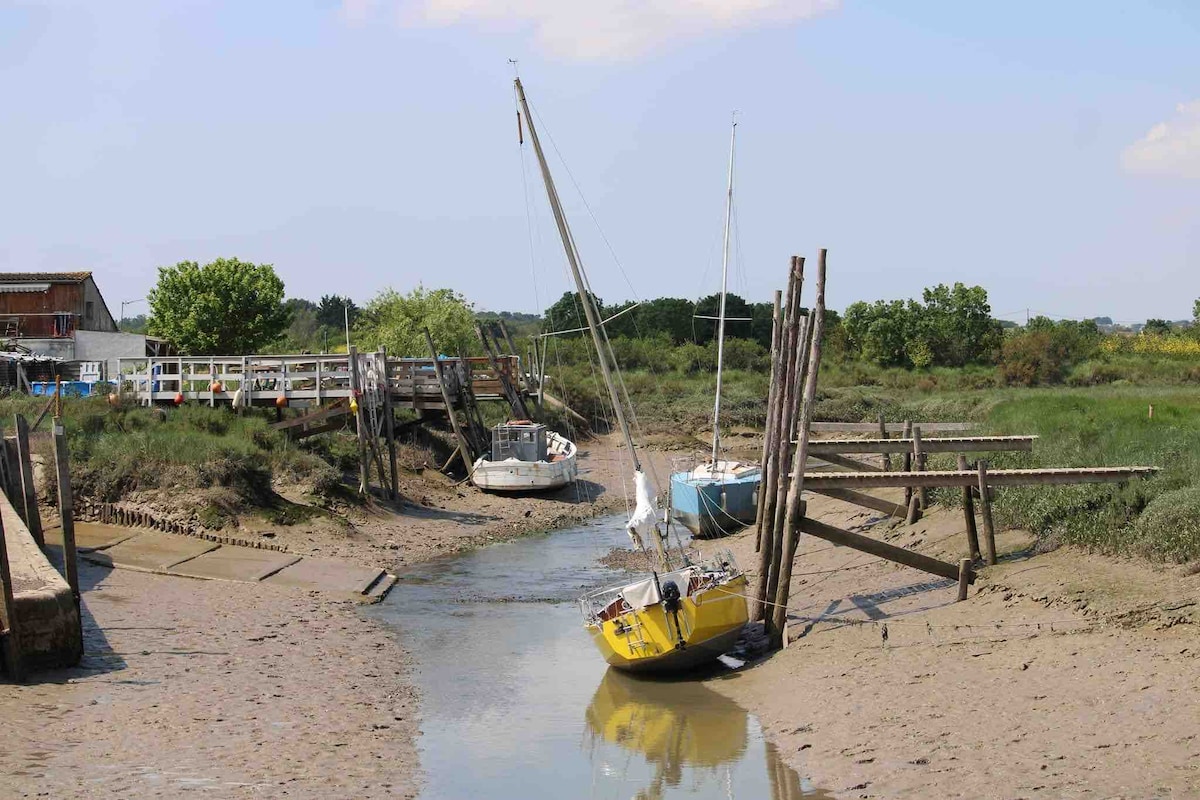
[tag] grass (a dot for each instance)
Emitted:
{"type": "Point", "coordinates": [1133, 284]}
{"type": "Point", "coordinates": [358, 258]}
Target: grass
{"type": "Point", "coordinates": [115, 451]}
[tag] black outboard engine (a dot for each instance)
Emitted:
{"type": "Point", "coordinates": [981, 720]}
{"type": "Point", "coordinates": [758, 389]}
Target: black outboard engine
{"type": "Point", "coordinates": [672, 602]}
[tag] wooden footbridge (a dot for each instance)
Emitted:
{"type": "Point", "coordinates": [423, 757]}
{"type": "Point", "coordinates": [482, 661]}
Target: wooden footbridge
{"type": "Point", "coordinates": [305, 381]}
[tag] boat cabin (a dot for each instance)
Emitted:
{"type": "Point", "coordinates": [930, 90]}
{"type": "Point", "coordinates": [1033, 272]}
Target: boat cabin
{"type": "Point", "coordinates": [519, 439]}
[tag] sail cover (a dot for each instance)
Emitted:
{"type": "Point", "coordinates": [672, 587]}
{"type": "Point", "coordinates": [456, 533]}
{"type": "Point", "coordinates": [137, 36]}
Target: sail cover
{"type": "Point", "coordinates": [644, 514]}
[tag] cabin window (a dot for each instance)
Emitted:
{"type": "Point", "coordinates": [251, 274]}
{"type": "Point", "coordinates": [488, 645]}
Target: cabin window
{"type": "Point", "coordinates": [89, 309]}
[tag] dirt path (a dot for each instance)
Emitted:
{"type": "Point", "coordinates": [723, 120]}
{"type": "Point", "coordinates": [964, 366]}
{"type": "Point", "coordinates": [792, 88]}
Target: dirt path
{"type": "Point", "coordinates": [1065, 675]}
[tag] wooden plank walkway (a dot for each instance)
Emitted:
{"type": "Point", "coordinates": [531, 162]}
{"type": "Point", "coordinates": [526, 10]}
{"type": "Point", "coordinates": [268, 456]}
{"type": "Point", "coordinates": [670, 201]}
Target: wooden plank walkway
{"type": "Point", "coordinates": [947, 444]}
{"type": "Point", "coordinates": [310, 380]}
{"type": "Point", "coordinates": [817, 481]}
{"type": "Point", "coordinates": [892, 427]}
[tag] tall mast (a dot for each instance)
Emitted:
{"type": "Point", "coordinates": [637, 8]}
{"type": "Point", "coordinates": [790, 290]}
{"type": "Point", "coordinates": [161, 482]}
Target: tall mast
{"type": "Point", "coordinates": [585, 297]}
{"type": "Point", "coordinates": [716, 447]}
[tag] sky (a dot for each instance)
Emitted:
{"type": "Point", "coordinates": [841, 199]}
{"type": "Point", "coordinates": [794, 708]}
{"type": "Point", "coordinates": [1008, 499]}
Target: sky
{"type": "Point", "coordinates": [1049, 152]}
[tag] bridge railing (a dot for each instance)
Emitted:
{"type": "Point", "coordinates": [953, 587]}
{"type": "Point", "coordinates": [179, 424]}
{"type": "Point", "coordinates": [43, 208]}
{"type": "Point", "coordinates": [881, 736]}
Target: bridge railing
{"type": "Point", "coordinates": [247, 380]}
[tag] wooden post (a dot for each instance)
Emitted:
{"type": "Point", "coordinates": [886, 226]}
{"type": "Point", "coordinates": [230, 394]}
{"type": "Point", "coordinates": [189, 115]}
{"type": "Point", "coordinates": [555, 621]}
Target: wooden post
{"type": "Point", "coordinates": [906, 463]}
{"type": "Point", "coordinates": [915, 500]}
{"type": "Point", "coordinates": [776, 488]}
{"type": "Point", "coordinates": [12, 625]}
{"type": "Point", "coordinates": [920, 464]}
{"type": "Point", "coordinates": [33, 519]}
{"type": "Point", "coordinates": [791, 532]}
{"type": "Point", "coordinates": [360, 422]}
{"type": "Point", "coordinates": [512, 393]}
{"type": "Point", "coordinates": [769, 427]}
{"type": "Point", "coordinates": [464, 449]}
{"type": "Point", "coordinates": [66, 510]}
{"type": "Point", "coordinates": [541, 384]}
{"type": "Point", "coordinates": [964, 578]}
{"type": "Point", "coordinates": [389, 420]}
{"type": "Point", "coordinates": [875, 547]}
{"type": "Point", "coordinates": [969, 512]}
{"type": "Point", "coordinates": [883, 434]}
{"type": "Point", "coordinates": [985, 508]}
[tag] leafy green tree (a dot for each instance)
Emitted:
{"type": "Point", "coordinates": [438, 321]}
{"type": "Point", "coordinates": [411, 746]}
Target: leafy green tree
{"type": "Point", "coordinates": [1196, 311]}
{"type": "Point", "coordinates": [567, 314]}
{"type": "Point", "coordinates": [669, 315]}
{"type": "Point", "coordinates": [331, 311]}
{"type": "Point", "coordinates": [133, 324]}
{"type": "Point", "coordinates": [1156, 327]}
{"type": "Point", "coordinates": [227, 307]}
{"type": "Point", "coordinates": [304, 332]}
{"type": "Point", "coordinates": [398, 321]}
{"type": "Point", "coordinates": [706, 329]}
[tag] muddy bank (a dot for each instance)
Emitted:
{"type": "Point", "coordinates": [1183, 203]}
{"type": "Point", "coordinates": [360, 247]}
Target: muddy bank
{"type": "Point", "coordinates": [235, 689]}
{"type": "Point", "coordinates": [251, 689]}
{"type": "Point", "coordinates": [1063, 675]}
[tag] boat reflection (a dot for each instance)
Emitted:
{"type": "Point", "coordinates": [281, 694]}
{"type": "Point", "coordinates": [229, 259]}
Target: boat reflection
{"type": "Point", "coordinates": [688, 734]}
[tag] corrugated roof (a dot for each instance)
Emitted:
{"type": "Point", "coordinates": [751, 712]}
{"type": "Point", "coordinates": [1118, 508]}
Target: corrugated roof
{"type": "Point", "coordinates": [44, 277]}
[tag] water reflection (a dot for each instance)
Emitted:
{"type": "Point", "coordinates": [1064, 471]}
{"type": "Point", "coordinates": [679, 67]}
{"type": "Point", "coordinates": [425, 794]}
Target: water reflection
{"type": "Point", "coordinates": [688, 734]}
{"type": "Point", "coordinates": [515, 702]}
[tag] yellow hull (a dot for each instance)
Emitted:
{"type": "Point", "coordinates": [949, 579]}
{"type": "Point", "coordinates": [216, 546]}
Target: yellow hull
{"type": "Point", "coordinates": [648, 640]}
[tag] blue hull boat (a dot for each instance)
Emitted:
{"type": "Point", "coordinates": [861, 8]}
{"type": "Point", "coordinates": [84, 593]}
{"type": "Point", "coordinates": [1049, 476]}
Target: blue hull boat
{"type": "Point", "coordinates": [712, 502]}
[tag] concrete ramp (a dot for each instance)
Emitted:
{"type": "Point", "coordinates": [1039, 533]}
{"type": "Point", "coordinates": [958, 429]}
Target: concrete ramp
{"type": "Point", "coordinates": [235, 564]}
{"type": "Point", "coordinates": [329, 575]}
{"type": "Point", "coordinates": [151, 551]}
{"type": "Point", "coordinates": [91, 536]}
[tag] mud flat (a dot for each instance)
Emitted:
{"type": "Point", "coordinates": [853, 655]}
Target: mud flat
{"type": "Point", "coordinates": [1064, 675]}
{"type": "Point", "coordinates": [253, 689]}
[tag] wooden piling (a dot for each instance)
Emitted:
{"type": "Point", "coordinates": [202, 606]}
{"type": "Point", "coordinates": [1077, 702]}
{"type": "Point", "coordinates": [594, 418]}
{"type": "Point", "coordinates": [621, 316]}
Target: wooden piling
{"type": "Point", "coordinates": [985, 508]}
{"type": "Point", "coordinates": [776, 492]}
{"type": "Point", "coordinates": [969, 513]}
{"type": "Point", "coordinates": [886, 462]}
{"type": "Point", "coordinates": [464, 449]}
{"type": "Point", "coordinates": [906, 462]}
{"type": "Point", "coordinates": [360, 422]}
{"type": "Point", "coordinates": [33, 519]}
{"type": "Point", "coordinates": [791, 537]}
{"type": "Point", "coordinates": [389, 420]}
{"type": "Point", "coordinates": [66, 510]}
{"type": "Point", "coordinates": [890, 552]}
{"type": "Point", "coordinates": [964, 578]}
{"type": "Point", "coordinates": [769, 428]}
{"type": "Point", "coordinates": [920, 463]}
{"type": "Point", "coordinates": [12, 625]}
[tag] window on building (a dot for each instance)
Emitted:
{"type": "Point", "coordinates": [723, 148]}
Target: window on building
{"type": "Point", "coordinates": [89, 309]}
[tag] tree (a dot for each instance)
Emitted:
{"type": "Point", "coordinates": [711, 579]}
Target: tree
{"type": "Point", "coordinates": [227, 307]}
{"type": "Point", "coordinates": [398, 322]}
{"type": "Point", "coordinates": [303, 333]}
{"type": "Point", "coordinates": [735, 307]}
{"type": "Point", "coordinates": [1196, 311]}
{"type": "Point", "coordinates": [133, 324]}
{"type": "Point", "coordinates": [567, 314]}
{"type": "Point", "coordinates": [1156, 327]}
{"type": "Point", "coordinates": [331, 311]}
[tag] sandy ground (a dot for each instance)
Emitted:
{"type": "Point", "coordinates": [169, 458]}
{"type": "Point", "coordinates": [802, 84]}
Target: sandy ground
{"type": "Point", "coordinates": [256, 690]}
{"type": "Point", "coordinates": [237, 689]}
{"type": "Point", "coordinates": [1064, 675]}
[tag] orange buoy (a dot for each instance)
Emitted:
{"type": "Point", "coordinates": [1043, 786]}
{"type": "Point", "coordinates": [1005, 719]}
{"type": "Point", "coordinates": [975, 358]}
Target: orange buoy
{"type": "Point", "coordinates": [179, 398]}
{"type": "Point", "coordinates": [281, 402]}
{"type": "Point", "coordinates": [216, 387]}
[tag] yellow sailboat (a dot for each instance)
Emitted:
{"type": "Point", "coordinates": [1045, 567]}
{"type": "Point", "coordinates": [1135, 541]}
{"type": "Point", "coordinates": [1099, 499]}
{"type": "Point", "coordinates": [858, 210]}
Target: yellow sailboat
{"type": "Point", "coordinates": [680, 615]}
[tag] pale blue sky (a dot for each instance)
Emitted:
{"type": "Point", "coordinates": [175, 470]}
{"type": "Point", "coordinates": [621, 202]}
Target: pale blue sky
{"type": "Point", "coordinates": [374, 144]}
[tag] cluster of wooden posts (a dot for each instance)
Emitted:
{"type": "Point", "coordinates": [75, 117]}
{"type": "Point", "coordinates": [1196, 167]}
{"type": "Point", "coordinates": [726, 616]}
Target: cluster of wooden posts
{"type": "Point", "coordinates": [795, 364]}
{"type": "Point", "coordinates": [16, 480]}
{"type": "Point", "coordinates": [796, 340]}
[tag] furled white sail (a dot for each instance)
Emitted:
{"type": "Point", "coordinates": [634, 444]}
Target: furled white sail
{"type": "Point", "coordinates": [645, 515]}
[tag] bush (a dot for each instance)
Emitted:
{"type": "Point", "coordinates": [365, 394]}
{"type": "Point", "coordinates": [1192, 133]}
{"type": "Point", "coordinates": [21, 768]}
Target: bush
{"type": "Point", "coordinates": [1033, 358]}
{"type": "Point", "coordinates": [1169, 528]}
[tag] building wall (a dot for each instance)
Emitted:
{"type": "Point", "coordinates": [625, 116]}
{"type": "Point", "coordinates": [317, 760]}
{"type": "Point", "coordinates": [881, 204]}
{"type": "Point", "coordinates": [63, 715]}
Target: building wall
{"type": "Point", "coordinates": [58, 348]}
{"type": "Point", "coordinates": [108, 347]}
{"type": "Point", "coordinates": [101, 318]}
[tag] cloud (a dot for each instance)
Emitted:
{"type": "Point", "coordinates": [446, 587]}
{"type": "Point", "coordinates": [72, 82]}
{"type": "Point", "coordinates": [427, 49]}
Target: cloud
{"type": "Point", "coordinates": [604, 30]}
{"type": "Point", "coordinates": [1169, 148]}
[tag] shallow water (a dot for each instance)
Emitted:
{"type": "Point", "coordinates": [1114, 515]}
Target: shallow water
{"type": "Point", "coordinates": [516, 702]}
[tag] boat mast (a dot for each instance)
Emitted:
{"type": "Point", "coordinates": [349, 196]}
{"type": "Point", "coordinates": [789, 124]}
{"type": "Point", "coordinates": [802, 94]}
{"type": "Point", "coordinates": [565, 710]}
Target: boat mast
{"type": "Point", "coordinates": [585, 297]}
{"type": "Point", "coordinates": [716, 446]}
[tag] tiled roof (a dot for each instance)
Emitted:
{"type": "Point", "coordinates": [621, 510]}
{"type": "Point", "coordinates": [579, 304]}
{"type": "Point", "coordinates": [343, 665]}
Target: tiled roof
{"type": "Point", "coordinates": [44, 277]}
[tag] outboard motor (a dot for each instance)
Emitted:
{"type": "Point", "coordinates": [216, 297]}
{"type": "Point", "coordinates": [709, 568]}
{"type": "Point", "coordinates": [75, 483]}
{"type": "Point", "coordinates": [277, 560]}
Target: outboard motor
{"type": "Point", "coordinates": [672, 602]}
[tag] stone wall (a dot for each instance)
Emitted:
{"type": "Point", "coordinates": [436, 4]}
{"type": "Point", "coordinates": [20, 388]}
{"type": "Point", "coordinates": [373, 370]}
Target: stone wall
{"type": "Point", "coordinates": [47, 615]}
